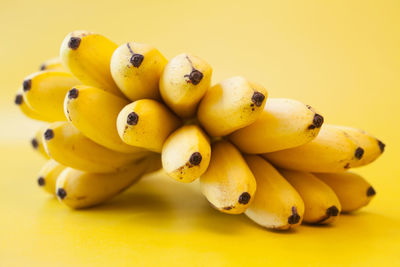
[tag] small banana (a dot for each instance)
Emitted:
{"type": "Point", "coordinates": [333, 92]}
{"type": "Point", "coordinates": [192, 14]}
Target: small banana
{"type": "Point", "coordinates": [65, 144]}
{"type": "Point", "coordinates": [228, 184]}
{"type": "Point", "coordinates": [78, 189]}
{"type": "Point", "coordinates": [284, 123]}
{"type": "Point", "coordinates": [331, 151]}
{"type": "Point", "coordinates": [37, 142]}
{"type": "Point", "coordinates": [136, 69]}
{"type": "Point", "coordinates": [321, 204]}
{"type": "Point", "coordinates": [146, 123]}
{"type": "Point", "coordinates": [184, 81]}
{"type": "Point", "coordinates": [276, 204]}
{"type": "Point", "coordinates": [230, 105]}
{"type": "Point", "coordinates": [353, 191]}
{"type": "Point", "coordinates": [44, 92]}
{"type": "Point", "coordinates": [94, 112]}
{"type": "Point", "coordinates": [87, 56]}
{"type": "Point", "coordinates": [48, 176]}
{"type": "Point", "coordinates": [186, 153]}
{"type": "Point", "coordinates": [28, 111]}
{"type": "Point", "coordinates": [54, 64]}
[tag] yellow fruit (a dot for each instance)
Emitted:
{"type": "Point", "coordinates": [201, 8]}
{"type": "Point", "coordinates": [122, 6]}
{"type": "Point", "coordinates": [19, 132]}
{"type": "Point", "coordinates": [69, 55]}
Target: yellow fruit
{"type": "Point", "coordinates": [146, 123]}
{"type": "Point", "coordinates": [37, 142]}
{"type": "Point", "coordinates": [184, 81]}
{"type": "Point", "coordinates": [186, 153]}
{"type": "Point", "coordinates": [276, 204]}
{"type": "Point", "coordinates": [321, 204]}
{"type": "Point", "coordinates": [53, 64]}
{"type": "Point", "coordinates": [284, 123]}
{"type": "Point", "coordinates": [228, 183]}
{"type": "Point", "coordinates": [48, 176]}
{"type": "Point", "coordinates": [136, 69]}
{"type": "Point", "coordinates": [28, 111]}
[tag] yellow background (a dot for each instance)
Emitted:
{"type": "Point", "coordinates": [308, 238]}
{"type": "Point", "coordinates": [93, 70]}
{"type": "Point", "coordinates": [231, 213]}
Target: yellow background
{"type": "Point", "coordinates": [342, 57]}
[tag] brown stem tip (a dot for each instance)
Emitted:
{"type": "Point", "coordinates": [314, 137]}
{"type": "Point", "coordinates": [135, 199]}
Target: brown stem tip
{"type": "Point", "coordinates": [294, 218]}
{"type": "Point", "coordinates": [41, 181]}
{"type": "Point", "coordinates": [18, 99]}
{"type": "Point", "coordinates": [371, 191]}
{"type": "Point", "coordinates": [359, 153]}
{"type": "Point", "coordinates": [244, 198]}
{"type": "Point", "coordinates": [73, 93]}
{"type": "Point", "coordinates": [318, 120]}
{"type": "Point", "coordinates": [195, 77]}
{"type": "Point", "coordinates": [74, 43]}
{"type": "Point", "coordinates": [195, 159]}
{"type": "Point", "coordinates": [48, 134]}
{"type": "Point", "coordinates": [34, 143]}
{"type": "Point", "coordinates": [381, 146]}
{"type": "Point", "coordinates": [132, 119]}
{"type": "Point", "coordinates": [332, 211]}
{"type": "Point", "coordinates": [61, 193]}
{"type": "Point", "coordinates": [27, 84]}
{"type": "Point", "coordinates": [257, 98]}
{"type": "Point", "coordinates": [136, 60]}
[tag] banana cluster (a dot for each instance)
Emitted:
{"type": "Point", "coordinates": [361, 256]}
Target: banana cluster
{"type": "Point", "coordinates": [116, 113]}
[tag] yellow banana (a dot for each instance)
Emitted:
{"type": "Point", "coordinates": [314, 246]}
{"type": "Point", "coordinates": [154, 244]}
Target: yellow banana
{"type": "Point", "coordinates": [321, 204]}
{"type": "Point", "coordinates": [146, 123]}
{"type": "Point", "coordinates": [228, 183]}
{"type": "Point", "coordinates": [37, 142]}
{"type": "Point", "coordinates": [87, 56]}
{"type": "Point", "coordinates": [331, 151]}
{"type": "Point", "coordinates": [94, 112]}
{"type": "Point", "coordinates": [28, 111]}
{"type": "Point", "coordinates": [136, 69]}
{"type": "Point", "coordinates": [230, 105]}
{"type": "Point", "coordinates": [65, 144]}
{"type": "Point", "coordinates": [184, 82]}
{"type": "Point", "coordinates": [373, 147]}
{"type": "Point", "coordinates": [284, 123]}
{"type": "Point", "coordinates": [78, 189]}
{"type": "Point", "coordinates": [186, 153]}
{"type": "Point", "coordinates": [276, 204]}
{"type": "Point", "coordinates": [54, 64]}
{"type": "Point", "coordinates": [48, 175]}
{"type": "Point", "coordinates": [353, 191]}
{"type": "Point", "coordinates": [44, 92]}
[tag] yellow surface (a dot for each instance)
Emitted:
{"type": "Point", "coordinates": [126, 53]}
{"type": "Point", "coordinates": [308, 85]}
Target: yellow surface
{"type": "Point", "coordinates": [342, 57]}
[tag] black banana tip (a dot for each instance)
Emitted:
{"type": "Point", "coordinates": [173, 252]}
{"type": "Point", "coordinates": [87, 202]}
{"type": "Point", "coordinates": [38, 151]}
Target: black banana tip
{"type": "Point", "coordinates": [295, 217]}
{"type": "Point", "coordinates": [195, 159]}
{"type": "Point", "coordinates": [18, 99]}
{"type": "Point", "coordinates": [41, 181]}
{"type": "Point", "coordinates": [381, 146]}
{"type": "Point", "coordinates": [332, 211]}
{"type": "Point", "coordinates": [73, 93]}
{"type": "Point", "coordinates": [359, 153]}
{"type": "Point", "coordinates": [318, 120]}
{"type": "Point", "coordinates": [48, 134]}
{"type": "Point", "coordinates": [27, 84]}
{"type": "Point", "coordinates": [74, 43]}
{"type": "Point", "coordinates": [257, 98]}
{"type": "Point", "coordinates": [132, 119]}
{"type": "Point", "coordinates": [61, 193]}
{"type": "Point", "coordinates": [195, 77]}
{"type": "Point", "coordinates": [34, 143]}
{"type": "Point", "coordinates": [136, 60]}
{"type": "Point", "coordinates": [371, 191]}
{"type": "Point", "coordinates": [244, 198]}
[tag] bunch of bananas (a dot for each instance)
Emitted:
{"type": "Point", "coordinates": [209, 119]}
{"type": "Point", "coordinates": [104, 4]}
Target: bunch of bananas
{"type": "Point", "coordinates": [119, 112]}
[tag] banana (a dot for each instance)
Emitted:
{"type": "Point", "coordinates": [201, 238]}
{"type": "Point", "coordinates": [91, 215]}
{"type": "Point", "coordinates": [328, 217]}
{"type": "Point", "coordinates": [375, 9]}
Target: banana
{"type": "Point", "coordinates": [146, 123]}
{"type": "Point", "coordinates": [284, 123]}
{"type": "Point", "coordinates": [65, 144]}
{"type": "Point", "coordinates": [321, 204]}
{"type": "Point", "coordinates": [87, 56]}
{"type": "Point", "coordinates": [44, 92]}
{"type": "Point", "coordinates": [353, 191]}
{"type": "Point", "coordinates": [48, 176]}
{"type": "Point", "coordinates": [186, 153]}
{"type": "Point", "coordinates": [373, 147]}
{"type": "Point", "coordinates": [184, 81]}
{"type": "Point", "coordinates": [54, 64]}
{"type": "Point", "coordinates": [154, 164]}
{"type": "Point", "coordinates": [276, 204]}
{"type": "Point", "coordinates": [228, 184]}
{"type": "Point", "coordinates": [78, 189]}
{"type": "Point", "coordinates": [136, 69]}
{"type": "Point", "coordinates": [94, 112]}
{"type": "Point", "coordinates": [28, 111]}
{"type": "Point", "coordinates": [331, 151]}
{"type": "Point", "coordinates": [37, 142]}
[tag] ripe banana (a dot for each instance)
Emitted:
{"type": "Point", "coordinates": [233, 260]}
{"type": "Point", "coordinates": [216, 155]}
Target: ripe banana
{"type": "Point", "coordinates": [94, 112]}
{"type": "Point", "coordinates": [146, 123]}
{"type": "Point", "coordinates": [48, 176]}
{"type": "Point", "coordinates": [228, 183]}
{"type": "Point", "coordinates": [230, 105]}
{"type": "Point", "coordinates": [44, 92]}
{"type": "Point", "coordinates": [186, 153]}
{"type": "Point", "coordinates": [37, 142]}
{"type": "Point", "coordinates": [353, 191]}
{"type": "Point", "coordinates": [321, 204]}
{"type": "Point", "coordinates": [87, 56]}
{"type": "Point", "coordinates": [54, 64]}
{"type": "Point", "coordinates": [373, 147]}
{"type": "Point", "coordinates": [78, 189]}
{"type": "Point", "coordinates": [284, 123]}
{"type": "Point", "coordinates": [276, 204]}
{"type": "Point", "coordinates": [136, 69]}
{"type": "Point", "coordinates": [184, 81]}
{"type": "Point", "coordinates": [331, 151]}
{"type": "Point", "coordinates": [65, 144]}
{"type": "Point", "coordinates": [28, 111]}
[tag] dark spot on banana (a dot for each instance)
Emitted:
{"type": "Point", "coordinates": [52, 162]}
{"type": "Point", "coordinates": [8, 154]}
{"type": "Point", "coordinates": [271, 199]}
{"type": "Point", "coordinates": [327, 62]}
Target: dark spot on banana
{"type": "Point", "coordinates": [132, 119]}
{"type": "Point", "coordinates": [359, 153]}
{"type": "Point", "coordinates": [371, 191]}
{"type": "Point", "coordinates": [136, 60]}
{"type": "Point", "coordinates": [332, 211]}
{"type": "Point", "coordinates": [73, 93]}
{"type": "Point", "coordinates": [74, 43]}
{"type": "Point", "coordinates": [27, 84]}
{"type": "Point", "coordinates": [294, 218]}
{"type": "Point", "coordinates": [61, 193]}
{"type": "Point", "coordinates": [257, 98]}
{"type": "Point", "coordinates": [18, 99]}
{"type": "Point", "coordinates": [309, 107]}
{"type": "Point", "coordinates": [34, 143]}
{"type": "Point", "coordinates": [48, 134]}
{"type": "Point", "coordinates": [195, 158]}
{"type": "Point", "coordinates": [42, 67]}
{"type": "Point", "coordinates": [195, 77]}
{"type": "Point", "coordinates": [347, 166]}
{"type": "Point", "coordinates": [318, 120]}
{"type": "Point", "coordinates": [227, 208]}
{"type": "Point", "coordinates": [381, 146]}
{"type": "Point", "coordinates": [41, 181]}
{"type": "Point", "coordinates": [244, 198]}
